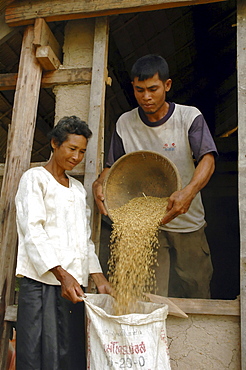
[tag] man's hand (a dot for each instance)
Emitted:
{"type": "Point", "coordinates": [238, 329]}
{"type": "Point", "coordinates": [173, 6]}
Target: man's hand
{"type": "Point", "coordinates": [180, 201]}
{"type": "Point", "coordinates": [70, 288]}
{"type": "Point", "coordinates": [98, 193]}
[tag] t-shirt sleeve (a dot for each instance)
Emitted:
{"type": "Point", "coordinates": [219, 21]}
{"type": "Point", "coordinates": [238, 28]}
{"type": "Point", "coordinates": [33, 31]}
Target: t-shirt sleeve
{"type": "Point", "coordinates": [116, 149]}
{"type": "Point", "coordinates": [200, 138]}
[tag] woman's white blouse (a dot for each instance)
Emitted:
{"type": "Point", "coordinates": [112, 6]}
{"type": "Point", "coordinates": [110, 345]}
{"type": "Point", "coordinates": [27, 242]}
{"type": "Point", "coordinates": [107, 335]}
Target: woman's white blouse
{"type": "Point", "coordinates": [53, 228]}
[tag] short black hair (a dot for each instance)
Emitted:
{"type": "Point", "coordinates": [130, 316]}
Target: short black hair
{"type": "Point", "coordinates": [148, 65]}
{"type": "Point", "coordinates": [67, 126]}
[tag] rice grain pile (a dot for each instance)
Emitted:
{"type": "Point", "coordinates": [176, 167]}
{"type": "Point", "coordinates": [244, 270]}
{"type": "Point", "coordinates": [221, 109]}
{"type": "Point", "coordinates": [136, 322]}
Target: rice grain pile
{"type": "Point", "coordinates": [133, 250]}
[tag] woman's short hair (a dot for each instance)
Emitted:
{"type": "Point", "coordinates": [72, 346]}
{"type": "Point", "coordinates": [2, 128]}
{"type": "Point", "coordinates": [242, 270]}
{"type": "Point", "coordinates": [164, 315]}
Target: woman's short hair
{"type": "Point", "coordinates": [148, 65]}
{"type": "Point", "coordinates": [67, 126]}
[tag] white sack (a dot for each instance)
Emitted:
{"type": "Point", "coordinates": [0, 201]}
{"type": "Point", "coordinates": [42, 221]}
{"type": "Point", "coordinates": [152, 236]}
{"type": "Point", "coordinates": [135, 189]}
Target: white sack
{"type": "Point", "coordinates": [135, 341]}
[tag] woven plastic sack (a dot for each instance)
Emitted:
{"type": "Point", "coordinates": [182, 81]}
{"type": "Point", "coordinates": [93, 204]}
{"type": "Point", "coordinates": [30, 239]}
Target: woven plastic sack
{"type": "Point", "coordinates": [135, 341]}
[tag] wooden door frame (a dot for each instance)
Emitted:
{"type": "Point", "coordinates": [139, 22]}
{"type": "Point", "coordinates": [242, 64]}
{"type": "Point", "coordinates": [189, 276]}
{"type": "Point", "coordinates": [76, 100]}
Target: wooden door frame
{"type": "Point", "coordinates": [241, 69]}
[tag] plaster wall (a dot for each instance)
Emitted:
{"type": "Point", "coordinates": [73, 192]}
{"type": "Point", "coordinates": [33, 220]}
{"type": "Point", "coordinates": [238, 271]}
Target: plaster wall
{"type": "Point", "coordinates": [203, 342]}
{"type": "Point", "coordinates": [78, 53]}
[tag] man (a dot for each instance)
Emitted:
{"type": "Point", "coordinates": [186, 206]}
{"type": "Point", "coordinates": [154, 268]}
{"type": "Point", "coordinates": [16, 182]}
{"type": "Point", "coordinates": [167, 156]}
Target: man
{"type": "Point", "coordinates": [180, 133]}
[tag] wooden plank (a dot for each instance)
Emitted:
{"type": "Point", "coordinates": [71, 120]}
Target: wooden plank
{"type": "Point", "coordinates": [241, 71]}
{"type": "Point", "coordinates": [25, 12]}
{"type": "Point", "coordinates": [200, 306]}
{"type": "Point", "coordinates": [18, 154]}
{"type": "Point", "coordinates": [208, 306]}
{"type": "Point", "coordinates": [60, 77]}
{"type": "Point", "coordinates": [94, 152]}
{"type": "Point", "coordinates": [178, 307]}
{"type": "Point", "coordinates": [47, 58]}
{"type": "Point", "coordinates": [173, 309]}
{"type": "Point", "coordinates": [67, 77]}
{"type": "Point", "coordinates": [44, 37]}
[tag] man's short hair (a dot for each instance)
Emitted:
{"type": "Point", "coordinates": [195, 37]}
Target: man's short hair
{"type": "Point", "coordinates": [148, 65]}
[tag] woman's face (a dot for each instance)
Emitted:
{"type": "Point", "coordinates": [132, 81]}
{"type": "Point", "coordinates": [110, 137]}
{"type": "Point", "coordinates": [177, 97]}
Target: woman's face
{"type": "Point", "coordinates": [70, 152]}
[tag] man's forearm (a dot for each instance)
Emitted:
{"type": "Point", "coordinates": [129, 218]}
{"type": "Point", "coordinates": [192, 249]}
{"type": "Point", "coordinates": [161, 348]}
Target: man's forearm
{"type": "Point", "coordinates": [202, 174]}
{"type": "Point", "coordinates": [97, 188]}
{"type": "Point", "coordinates": [101, 177]}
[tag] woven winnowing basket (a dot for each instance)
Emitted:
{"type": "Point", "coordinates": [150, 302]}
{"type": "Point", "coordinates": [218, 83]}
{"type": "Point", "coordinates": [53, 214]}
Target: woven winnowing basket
{"type": "Point", "coordinates": [137, 174]}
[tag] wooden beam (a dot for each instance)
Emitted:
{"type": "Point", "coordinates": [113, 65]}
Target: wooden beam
{"type": "Point", "coordinates": [67, 77]}
{"type": "Point", "coordinates": [60, 77]}
{"type": "Point", "coordinates": [44, 37]}
{"type": "Point", "coordinates": [94, 152]}
{"type": "Point", "coordinates": [18, 154]}
{"type": "Point", "coordinates": [25, 12]}
{"type": "Point", "coordinates": [47, 58]}
{"type": "Point", "coordinates": [48, 52]}
{"type": "Point", "coordinates": [241, 72]}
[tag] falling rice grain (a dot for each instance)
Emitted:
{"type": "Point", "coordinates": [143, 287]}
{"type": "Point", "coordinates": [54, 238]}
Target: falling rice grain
{"type": "Point", "coordinates": [133, 247]}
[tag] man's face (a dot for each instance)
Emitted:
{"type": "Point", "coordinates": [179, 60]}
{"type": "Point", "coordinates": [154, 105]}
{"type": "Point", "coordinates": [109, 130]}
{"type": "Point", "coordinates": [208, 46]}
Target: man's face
{"type": "Point", "coordinates": [151, 93]}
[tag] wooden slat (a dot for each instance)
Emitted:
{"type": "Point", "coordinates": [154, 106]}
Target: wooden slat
{"type": "Point", "coordinates": [208, 306]}
{"type": "Point", "coordinates": [241, 70]}
{"type": "Point", "coordinates": [200, 306]}
{"type": "Point", "coordinates": [60, 77]}
{"type": "Point", "coordinates": [19, 147]}
{"type": "Point", "coordinates": [24, 12]}
{"type": "Point", "coordinates": [94, 152]}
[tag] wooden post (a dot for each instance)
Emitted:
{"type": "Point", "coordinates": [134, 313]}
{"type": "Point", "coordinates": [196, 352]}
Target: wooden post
{"type": "Point", "coordinates": [20, 141]}
{"type": "Point", "coordinates": [94, 152]}
{"type": "Point", "coordinates": [241, 63]}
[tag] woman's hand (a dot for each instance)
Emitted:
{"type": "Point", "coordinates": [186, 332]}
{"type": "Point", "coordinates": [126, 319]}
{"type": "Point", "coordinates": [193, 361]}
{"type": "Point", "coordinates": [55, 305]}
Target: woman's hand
{"type": "Point", "coordinates": [102, 283]}
{"type": "Point", "coordinates": [70, 288]}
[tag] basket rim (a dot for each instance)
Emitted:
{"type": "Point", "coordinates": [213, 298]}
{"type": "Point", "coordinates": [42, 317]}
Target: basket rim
{"type": "Point", "coordinates": [139, 152]}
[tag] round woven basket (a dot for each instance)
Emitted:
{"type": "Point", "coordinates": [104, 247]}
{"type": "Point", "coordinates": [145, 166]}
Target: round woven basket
{"type": "Point", "coordinates": [137, 174]}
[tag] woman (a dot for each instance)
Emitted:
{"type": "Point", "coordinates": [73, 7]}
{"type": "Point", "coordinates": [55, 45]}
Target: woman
{"type": "Point", "coordinates": [55, 256]}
